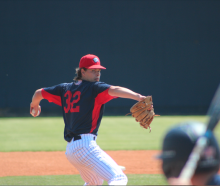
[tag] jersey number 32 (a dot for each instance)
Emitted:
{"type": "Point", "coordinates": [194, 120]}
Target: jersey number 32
{"type": "Point", "coordinates": [70, 105]}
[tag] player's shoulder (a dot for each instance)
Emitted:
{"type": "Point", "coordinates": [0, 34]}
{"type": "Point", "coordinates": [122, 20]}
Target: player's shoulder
{"type": "Point", "coordinates": [95, 86]}
{"type": "Point", "coordinates": [100, 83]}
{"type": "Point", "coordinates": [97, 83]}
{"type": "Point", "coordinates": [65, 84]}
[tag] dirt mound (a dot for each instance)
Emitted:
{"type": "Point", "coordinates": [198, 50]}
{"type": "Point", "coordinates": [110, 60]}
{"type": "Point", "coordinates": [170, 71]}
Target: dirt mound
{"type": "Point", "coordinates": [55, 163]}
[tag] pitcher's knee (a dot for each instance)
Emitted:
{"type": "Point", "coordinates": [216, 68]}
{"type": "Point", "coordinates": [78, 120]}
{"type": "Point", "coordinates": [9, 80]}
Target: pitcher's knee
{"type": "Point", "coordinates": [120, 179]}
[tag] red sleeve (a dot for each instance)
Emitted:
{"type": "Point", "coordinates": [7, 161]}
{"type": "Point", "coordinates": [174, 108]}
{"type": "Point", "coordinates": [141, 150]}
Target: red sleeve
{"type": "Point", "coordinates": [104, 97]}
{"type": "Point", "coordinates": [51, 98]}
{"type": "Point", "coordinates": [100, 99]}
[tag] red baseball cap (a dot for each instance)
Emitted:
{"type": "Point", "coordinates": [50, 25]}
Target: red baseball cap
{"type": "Point", "coordinates": [90, 61]}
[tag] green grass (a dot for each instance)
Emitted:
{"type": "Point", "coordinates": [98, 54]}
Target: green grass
{"type": "Point", "coordinates": [139, 179]}
{"type": "Point", "coordinates": [116, 133]}
{"type": "Point", "coordinates": [31, 134]}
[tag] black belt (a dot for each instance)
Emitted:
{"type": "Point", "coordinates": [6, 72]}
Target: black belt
{"type": "Point", "coordinates": [79, 137]}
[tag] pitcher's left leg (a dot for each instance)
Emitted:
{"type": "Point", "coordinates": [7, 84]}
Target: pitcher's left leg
{"type": "Point", "coordinates": [90, 177]}
{"type": "Point", "coordinates": [107, 169]}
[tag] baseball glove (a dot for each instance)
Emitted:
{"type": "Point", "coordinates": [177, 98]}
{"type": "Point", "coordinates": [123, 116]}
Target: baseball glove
{"type": "Point", "coordinates": [143, 112]}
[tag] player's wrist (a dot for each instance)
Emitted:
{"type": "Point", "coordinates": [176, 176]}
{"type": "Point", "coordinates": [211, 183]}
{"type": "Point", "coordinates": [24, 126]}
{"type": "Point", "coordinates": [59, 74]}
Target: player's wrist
{"type": "Point", "coordinates": [35, 102]}
{"type": "Point", "coordinates": [139, 97]}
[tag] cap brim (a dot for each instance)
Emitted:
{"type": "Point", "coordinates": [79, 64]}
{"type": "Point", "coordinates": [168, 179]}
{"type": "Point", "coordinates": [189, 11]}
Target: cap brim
{"type": "Point", "coordinates": [96, 66]}
{"type": "Point", "coordinates": [166, 155]}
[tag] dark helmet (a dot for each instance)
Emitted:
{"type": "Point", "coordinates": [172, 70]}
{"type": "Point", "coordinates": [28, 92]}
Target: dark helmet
{"type": "Point", "coordinates": [178, 144]}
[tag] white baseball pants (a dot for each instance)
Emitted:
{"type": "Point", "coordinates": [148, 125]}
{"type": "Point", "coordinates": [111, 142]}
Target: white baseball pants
{"type": "Point", "coordinates": [93, 164]}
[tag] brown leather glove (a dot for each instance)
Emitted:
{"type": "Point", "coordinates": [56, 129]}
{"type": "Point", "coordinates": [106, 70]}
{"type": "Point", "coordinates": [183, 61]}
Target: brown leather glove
{"type": "Point", "coordinates": [143, 112]}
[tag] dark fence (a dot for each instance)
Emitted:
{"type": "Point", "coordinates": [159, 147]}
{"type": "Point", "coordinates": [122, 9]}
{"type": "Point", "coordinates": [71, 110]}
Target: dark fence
{"type": "Point", "coordinates": [167, 49]}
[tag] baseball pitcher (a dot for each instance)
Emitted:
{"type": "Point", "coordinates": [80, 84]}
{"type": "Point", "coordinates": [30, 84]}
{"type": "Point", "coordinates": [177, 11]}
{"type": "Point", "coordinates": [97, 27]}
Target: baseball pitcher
{"type": "Point", "coordinates": [82, 103]}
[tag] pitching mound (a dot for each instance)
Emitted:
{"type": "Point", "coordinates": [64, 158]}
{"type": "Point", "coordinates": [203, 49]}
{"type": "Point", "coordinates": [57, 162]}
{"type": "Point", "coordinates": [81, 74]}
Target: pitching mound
{"type": "Point", "coordinates": [55, 163]}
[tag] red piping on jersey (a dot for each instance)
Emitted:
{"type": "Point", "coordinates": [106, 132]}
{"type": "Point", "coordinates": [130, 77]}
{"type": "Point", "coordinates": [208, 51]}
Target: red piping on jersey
{"type": "Point", "coordinates": [100, 99]}
{"type": "Point", "coordinates": [50, 97]}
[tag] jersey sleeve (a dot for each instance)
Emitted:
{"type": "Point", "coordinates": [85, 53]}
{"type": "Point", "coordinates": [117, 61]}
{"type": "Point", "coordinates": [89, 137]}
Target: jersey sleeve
{"type": "Point", "coordinates": [101, 93]}
{"type": "Point", "coordinates": [53, 94]}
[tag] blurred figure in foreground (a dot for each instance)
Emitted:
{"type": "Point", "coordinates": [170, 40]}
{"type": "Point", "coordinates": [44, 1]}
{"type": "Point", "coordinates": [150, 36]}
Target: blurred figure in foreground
{"type": "Point", "coordinates": [177, 146]}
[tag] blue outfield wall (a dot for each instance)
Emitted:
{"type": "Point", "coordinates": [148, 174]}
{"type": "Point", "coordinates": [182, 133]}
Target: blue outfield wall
{"type": "Point", "coordinates": [165, 48]}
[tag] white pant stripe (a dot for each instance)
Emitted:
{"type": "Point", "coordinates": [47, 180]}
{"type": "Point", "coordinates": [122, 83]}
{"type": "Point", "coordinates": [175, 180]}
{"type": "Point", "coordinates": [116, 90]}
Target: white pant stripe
{"type": "Point", "coordinates": [93, 163]}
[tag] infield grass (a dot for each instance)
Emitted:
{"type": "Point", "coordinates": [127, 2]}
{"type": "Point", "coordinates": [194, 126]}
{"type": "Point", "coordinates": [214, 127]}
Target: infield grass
{"type": "Point", "coordinates": [116, 133]}
{"type": "Point", "coordinates": [138, 179]}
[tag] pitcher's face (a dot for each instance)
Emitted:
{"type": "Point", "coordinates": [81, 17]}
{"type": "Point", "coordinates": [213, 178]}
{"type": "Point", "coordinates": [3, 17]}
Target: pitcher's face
{"type": "Point", "coordinates": [91, 75]}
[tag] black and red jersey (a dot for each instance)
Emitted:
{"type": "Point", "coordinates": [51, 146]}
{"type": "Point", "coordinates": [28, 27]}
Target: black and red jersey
{"type": "Point", "coordinates": [82, 105]}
